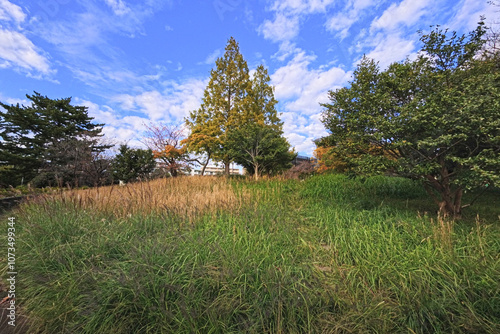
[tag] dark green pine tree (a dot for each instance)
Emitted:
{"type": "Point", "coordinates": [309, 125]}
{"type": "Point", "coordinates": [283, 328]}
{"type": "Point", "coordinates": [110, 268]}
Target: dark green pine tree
{"type": "Point", "coordinates": [32, 135]}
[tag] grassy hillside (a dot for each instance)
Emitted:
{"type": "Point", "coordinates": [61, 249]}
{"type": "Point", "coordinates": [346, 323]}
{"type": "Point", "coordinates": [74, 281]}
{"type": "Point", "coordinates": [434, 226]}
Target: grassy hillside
{"type": "Point", "coordinates": [207, 255]}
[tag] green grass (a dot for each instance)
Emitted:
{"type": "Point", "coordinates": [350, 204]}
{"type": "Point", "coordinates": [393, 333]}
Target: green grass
{"type": "Point", "coordinates": [326, 255]}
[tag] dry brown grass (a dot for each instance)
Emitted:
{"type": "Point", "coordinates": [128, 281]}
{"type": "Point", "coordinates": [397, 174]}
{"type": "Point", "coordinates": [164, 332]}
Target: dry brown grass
{"type": "Point", "coordinates": [442, 231]}
{"type": "Point", "coordinates": [188, 197]}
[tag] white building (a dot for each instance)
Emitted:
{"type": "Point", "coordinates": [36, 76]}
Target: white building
{"type": "Point", "coordinates": [214, 170]}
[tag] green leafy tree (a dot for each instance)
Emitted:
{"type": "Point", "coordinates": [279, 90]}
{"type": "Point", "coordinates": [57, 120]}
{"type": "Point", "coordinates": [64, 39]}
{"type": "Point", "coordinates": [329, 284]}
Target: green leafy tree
{"type": "Point", "coordinates": [31, 136]}
{"type": "Point", "coordinates": [131, 164]}
{"type": "Point", "coordinates": [223, 104]}
{"type": "Point", "coordinates": [435, 118]}
{"type": "Point", "coordinates": [261, 149]}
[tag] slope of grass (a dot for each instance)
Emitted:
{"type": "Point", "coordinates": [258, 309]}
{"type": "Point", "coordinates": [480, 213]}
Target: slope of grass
{"type": "Point", "coordinates": [207, 255]}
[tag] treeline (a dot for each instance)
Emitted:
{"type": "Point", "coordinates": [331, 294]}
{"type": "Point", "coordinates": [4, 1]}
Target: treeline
{"type": "Point", "coordinates": [435, 118]}
{"type": "Point", "coordinates": [53, 143]}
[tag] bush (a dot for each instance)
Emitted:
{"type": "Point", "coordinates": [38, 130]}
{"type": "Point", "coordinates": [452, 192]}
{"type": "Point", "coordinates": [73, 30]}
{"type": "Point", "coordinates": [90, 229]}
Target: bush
{"type": "Point", "coordinates": [300, 171]}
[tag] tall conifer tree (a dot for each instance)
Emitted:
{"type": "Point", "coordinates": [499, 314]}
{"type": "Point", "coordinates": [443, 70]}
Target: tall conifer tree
{"type": "Point", "coordinates": [257, 143]}
{"type": "Point", "coordinates": [237, 118]}
{"type": "Point", "coordinates": [223, 104]}
{"type": "Point", "coordinates": [261, 101]}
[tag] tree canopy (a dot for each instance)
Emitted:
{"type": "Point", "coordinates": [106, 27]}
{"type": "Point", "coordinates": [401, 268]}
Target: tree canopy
{"type": "Point", "coordinates": [222, 105]}
{"type": "Point", "coordinates": [233, 106]}
{"type": "Point", "coordinates": [32, 138]}
{"type": "Point", "coordinates": [257, 143]}
{"type": "Point", "coordinates": [166, 143]}
{"type": "Point", "coordinates": [132, 164]}
{"type": "Point", "coordinates": [261, 149]}
{"type": "Point", "coordinates": [435, 118]}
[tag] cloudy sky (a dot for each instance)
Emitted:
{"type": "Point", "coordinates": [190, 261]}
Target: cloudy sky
{"type": "Point", "coordinates": [134, 62]}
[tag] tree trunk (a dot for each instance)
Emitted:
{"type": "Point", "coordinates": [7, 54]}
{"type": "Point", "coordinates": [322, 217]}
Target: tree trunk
{"type": "Point", "coordinates": [450, 203]}
{"type": "Point", "coordinates": [458, 203]}
{"type": "Point", "coordinates": [205, 165]}
{"type": "Point", "coordinates": [256, 172]}
{"type": "Point", "coordinates": [227, 166]}
{"type": "Point", "coordinates": [173, 171]}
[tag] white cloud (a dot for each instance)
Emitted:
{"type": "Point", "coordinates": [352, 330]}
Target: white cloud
{"type": "Point", "coordinates": [17, 51]}
{"type": "Point", "coordinates": [304, 88]}
{"type": "Point", "coordinates": [211, 58]}
{"type": "Point", "coordinates": [286, 49]}
{"type": "Point", "coordinates": [468, 13]}
{"type": "Point", "coordinates": [301, 6]}
{"type": "Point", "coordinates": [391, 48]}
{"type": "Point", "coordinates": [76, 37]}
{"type": "Point", "coordinates": [171, 105]}
{"type": "Point", "coordinates": [14, 101]}
{"type": "Point", "coordinates": [342, 23]}
{"type": "Point", "coordinates": [392, 35]}
{"type": "Point", "coordinates": [288, 14]}
{"type": "Point", "coordinates": [408, 12]}
{"type": "Point", "coordinates": [127, 129]}
{"type": "Point", "coordinates": [343, 20]}
{"type": "Point", "coordinates": [10, 11]}
{"type": "Point", "coordinates": [315, 90]}
{"type": "Point", "coordinates": [283, 28]}
{"type": "Point", "coordinates": [289, 79]}
{"type": "Point", "coordinates": [118, 7]}
{"type": "Point", "coordinates": [153, 104]}
{"type": "Point", "coordinates": [301, 131]}
{"type": "Point", "coordinates": [295, 139]}
{"type": "Point", "coordinates": [84, 39]}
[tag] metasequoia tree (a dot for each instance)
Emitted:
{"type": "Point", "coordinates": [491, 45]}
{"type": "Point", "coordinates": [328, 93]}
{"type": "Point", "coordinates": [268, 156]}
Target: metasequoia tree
{"type": "Point", "coordinates": [261, 104]}
{"type": "Point", "coordinates": [222, 106]}
{"type": "Point", "coordinates": [435, 118]}
{"type": "Point", "coordinates": [257, 143]}
{"type": "Point", "coordinates": [237, 116]}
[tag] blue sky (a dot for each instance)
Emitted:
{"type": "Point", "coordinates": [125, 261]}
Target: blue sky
{"type": "Point", "coordinates": [135, 62]}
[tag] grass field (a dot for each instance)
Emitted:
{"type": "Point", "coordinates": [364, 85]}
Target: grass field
{"type": "Point", "coordinates": [209, 255]}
